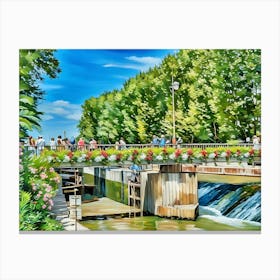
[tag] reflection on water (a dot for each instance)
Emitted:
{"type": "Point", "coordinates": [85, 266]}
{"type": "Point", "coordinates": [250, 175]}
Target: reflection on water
{"type": "Point", "coordinates": [153, 223]}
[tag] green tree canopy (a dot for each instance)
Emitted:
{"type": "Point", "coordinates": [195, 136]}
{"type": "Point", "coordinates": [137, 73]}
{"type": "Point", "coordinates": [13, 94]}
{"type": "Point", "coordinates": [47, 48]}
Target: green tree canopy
{"type": "Point", "coordinates": [218, 100]}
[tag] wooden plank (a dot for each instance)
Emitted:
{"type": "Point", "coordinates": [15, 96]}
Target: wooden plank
{"type": "Point", "coordinates": [175, 168]}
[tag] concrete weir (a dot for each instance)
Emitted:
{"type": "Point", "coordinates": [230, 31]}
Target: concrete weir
{"type": "Point", "coordinates": [171, 192]}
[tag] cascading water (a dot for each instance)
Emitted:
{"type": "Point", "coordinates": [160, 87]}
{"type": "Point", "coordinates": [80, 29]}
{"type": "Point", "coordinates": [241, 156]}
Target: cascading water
{"type": "Point", "coordinates": [233, 201]}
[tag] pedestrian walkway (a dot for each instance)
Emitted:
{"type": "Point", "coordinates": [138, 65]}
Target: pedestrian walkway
{"type": "Point", "coordinates": [60, 212]}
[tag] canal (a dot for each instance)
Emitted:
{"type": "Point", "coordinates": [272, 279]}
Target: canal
{"type": "Point", "coordinates": [227, 203]}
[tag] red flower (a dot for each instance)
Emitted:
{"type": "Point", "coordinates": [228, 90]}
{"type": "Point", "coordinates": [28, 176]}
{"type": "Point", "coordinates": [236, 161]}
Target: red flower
{"type": "Point", "coordinates": [164, 150]}
{"type": "Point", "coordinates": [216, 154]}
{"type": "Point", "coordinates": [135, 153]}
{"type": "Point", "coordinates": [238, 153]}
{"type": "Point", "coordinates": [104, 154]}
{"type": "Point", "coordinates": [70, 155]}
{"type": "Point", "coordinates": [204, 153]}
{"type": "Point", "coordinates": [228, 153]}
{"type": "Point", "coordinates": [178, 152]}
{"type": "Point", "coordinates": [88, 155]}
{"type": "Point", "coordinates": [190, 152]}
{"type": "Point", "coordinates": [149, 157]}
{"type": "Point", "coordinates": [251, 152]}
{"type": "Point", "coordinates": [119, 156]}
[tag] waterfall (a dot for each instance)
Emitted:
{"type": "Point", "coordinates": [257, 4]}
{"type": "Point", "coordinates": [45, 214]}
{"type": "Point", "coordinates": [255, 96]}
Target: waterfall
{"type": "Point", "coordinates": [250, 209]}
{"type": "Point", "coordinates": [233, 201]}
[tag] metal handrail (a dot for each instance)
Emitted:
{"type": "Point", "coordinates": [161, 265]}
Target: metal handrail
{"type": "Point", "coordinates": [88, 147]}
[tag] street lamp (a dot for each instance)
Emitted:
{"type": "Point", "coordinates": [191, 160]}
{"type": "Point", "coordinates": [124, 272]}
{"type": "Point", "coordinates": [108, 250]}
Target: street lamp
{"type": "Point", "coordinates": [174, 86]}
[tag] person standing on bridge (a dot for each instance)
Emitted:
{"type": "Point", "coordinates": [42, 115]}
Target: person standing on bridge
{"type": "Point", "coordinates": [179, 142]}
{"type": "Point", "coordinates": [256, 142]}
{"type": "Point", "coordinates": [162, 141]}
{"type": "Point", "coordinates": [155, 141]}
{"type": "Point", "coordinates": [52, 144]}
{"type": "Point", "coordinates": [92, 144]}
{"type": "Point", "coordinates": [40, 144]}
{"type": "Point", "coordinates": [81, 144]}
{"type": "Point", "coordinates": [122, 144]}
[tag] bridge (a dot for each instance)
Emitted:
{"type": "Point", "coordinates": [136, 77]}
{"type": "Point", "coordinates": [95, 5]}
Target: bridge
{"type": "Point", "coordinates": [168, 184]}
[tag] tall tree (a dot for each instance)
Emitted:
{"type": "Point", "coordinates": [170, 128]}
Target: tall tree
{"type": "Point", "coordinates": [34, 66]}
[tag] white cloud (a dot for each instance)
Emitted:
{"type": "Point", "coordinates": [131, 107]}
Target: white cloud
{"type": "Point", "coordinates": [142, 63]}
{"type": "Point", "coordinates": [126, 66]}
{"type": "Point", "coordinates": [61, 109]}
{"type": "Point", "coordinates": [46, 117]}
{"type": "Point", "coordinates": [61, 103]}
{"type": "Point", "coordinates": [148, 60]}
{"type": "Point", "coordinates": [76, 116]}
{"type": "Point", "coordinates": [50, 87]}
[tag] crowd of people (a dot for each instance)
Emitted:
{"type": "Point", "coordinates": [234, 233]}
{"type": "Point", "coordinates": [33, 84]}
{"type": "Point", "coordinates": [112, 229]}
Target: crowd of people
{"type": "Point", "coordinates": [37, 145]}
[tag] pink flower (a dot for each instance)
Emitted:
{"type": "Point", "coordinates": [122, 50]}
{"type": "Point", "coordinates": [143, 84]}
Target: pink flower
{"type": "Point", "coordinates": [33, 170]}
{"type": "Point", "coordinates": [56, 179]}
{"type": "Point", "coordinates": [51, 202]}
{"type": "Point", "coordinates": [45, 199]}
{"type": "Point", "coordinates": [51, 169]}
{"type": "Point", "coordinates": [43, 175]}
{"type": "Point", "coordinates": [34, 188]}
{"type": "Point", "coordinates": [44, 206]}
{"type": "Point", "coordinates": [50, 208]}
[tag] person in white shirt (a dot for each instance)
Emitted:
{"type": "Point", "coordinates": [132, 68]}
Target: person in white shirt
{"type": "Point", "coordinates": [122, 144]}
{"type": "Point", "coordinates": [52, 144]}
{"type": "Point", "coordinates": [256, 142]}
{"type": "Point", "coordinates": [40, 144]}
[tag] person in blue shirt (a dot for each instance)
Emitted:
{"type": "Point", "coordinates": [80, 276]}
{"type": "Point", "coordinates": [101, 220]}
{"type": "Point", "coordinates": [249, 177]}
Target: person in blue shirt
{"type": "Point", "coordinates": [134, 177]}
{"type": "Point", "coordinates": [155, 141]}
{"type": "Point", "coordinates": [162, 141]}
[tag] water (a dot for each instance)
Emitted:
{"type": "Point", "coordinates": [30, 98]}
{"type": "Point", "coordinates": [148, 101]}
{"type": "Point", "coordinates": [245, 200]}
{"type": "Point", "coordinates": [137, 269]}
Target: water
{"type": "Point", "coordinates": [223, 207]}
{"type": "Point", "coordinates": [154, 223]}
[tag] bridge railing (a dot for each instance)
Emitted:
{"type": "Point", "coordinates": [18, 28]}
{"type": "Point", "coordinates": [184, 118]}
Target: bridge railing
{"type": "Point", "coordinates": [87, 147]}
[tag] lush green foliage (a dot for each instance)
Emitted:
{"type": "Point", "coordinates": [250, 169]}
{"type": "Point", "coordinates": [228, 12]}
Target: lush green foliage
{"type": "Point", "coordinates": [34, 65]}
{"type": "Point", "coordinates": [38, 185]}
{"type": "Point", "coordinates": [218, 100]}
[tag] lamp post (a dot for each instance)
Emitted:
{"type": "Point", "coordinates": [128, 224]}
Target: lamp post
{"type": "Point", "coordinates": [174, 86]}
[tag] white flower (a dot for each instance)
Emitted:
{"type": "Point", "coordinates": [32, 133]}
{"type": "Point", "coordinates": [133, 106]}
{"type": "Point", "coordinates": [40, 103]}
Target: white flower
{"type": "Point", "coordinates": [80, 159]}
{"type": "Point", "coordinates": [212, 155]}
{"type": "Point", "coordinates": [83, 156]}
{"type": "Point", "coordinates": [159, 157]}
{"type": "Point", "coordinates": [246, 155]}
{"type": "Point", "coordinates": [142, 156]}
{"type": "Point", "coordinates": [129, 158]}
{"type": "Point", "coordinates": [98, 158]}
{"type": "Point", "coordinates": [172, 156]}
{"type": "Point", "coordinates": [223, 154]}
{"type": "Point", "coordinates": [49, 158]}
{"type": "Point", "coordinates": [112, 158]}
{"type": "Point", "coordinates": [185, 156]}
{"type": "Point", "coordinates": [66, 159]}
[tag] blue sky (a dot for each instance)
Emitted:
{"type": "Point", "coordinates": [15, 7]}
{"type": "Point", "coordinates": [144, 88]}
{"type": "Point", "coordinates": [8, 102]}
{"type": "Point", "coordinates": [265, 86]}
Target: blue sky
{"type": "Point", "coordinates": [87, 73]}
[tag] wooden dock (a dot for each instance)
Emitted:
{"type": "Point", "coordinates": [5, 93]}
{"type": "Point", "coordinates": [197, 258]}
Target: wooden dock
{"type": "Point", "coordinates": [106, 207]}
